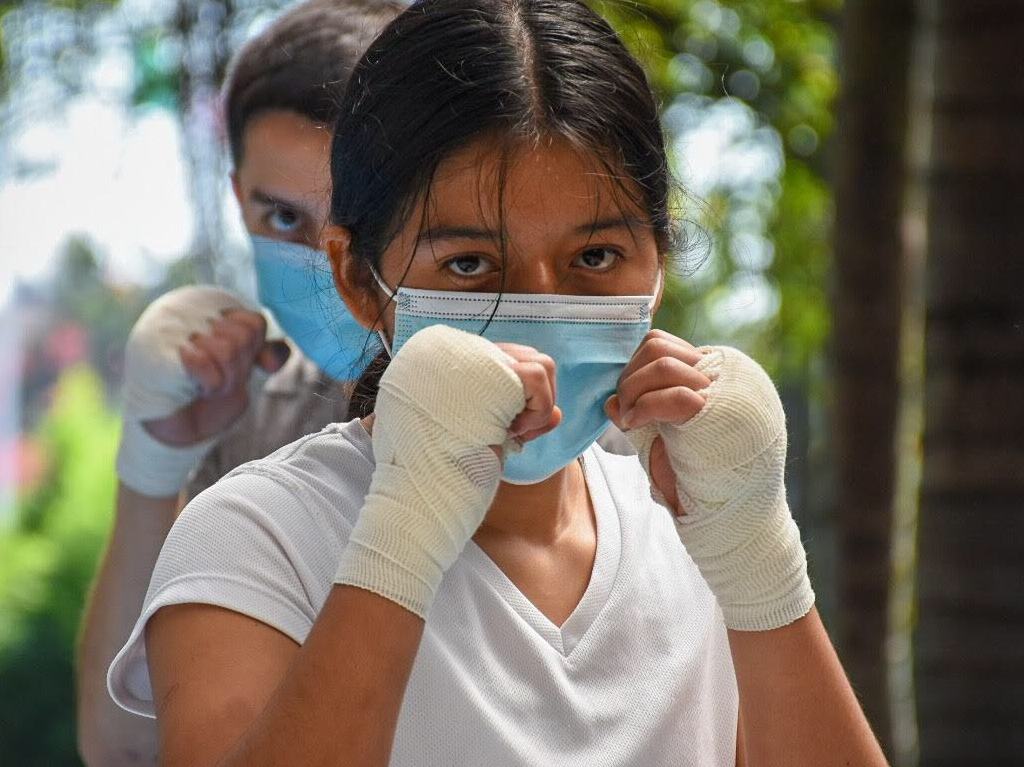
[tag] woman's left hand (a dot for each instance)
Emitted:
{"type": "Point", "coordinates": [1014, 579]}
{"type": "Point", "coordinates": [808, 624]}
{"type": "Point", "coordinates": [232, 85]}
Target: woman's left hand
{"type": "Point", "coordinates": [659, 385]}
{"type": "Point", "coordinates": [710, 431]}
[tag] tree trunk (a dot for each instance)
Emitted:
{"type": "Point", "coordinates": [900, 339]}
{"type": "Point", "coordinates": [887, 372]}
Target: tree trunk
{"type": "Point", "coordinates": [870, 180]}
{"type": "Point", "coordinates": [969, 644]}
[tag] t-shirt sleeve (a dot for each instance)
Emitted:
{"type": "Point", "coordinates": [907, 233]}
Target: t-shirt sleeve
{"type": "Point", "coordinates": [227, 549]}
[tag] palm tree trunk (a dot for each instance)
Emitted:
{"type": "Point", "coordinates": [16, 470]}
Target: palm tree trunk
{"type": "Point", "coordinates": [870, 181]}
{"type": "Point", "coordinates": [969, 644]}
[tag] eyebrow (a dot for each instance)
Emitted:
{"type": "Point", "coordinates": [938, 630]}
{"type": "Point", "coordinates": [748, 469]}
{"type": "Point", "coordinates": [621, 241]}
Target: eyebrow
{"type": "Point", "coordinates": [475, 233]}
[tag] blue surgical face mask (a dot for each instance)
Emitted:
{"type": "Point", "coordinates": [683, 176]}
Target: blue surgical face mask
{"type": "Point", "coordinates": [295, 283]}
{"type": "Point", "coordinates": [590, 338]}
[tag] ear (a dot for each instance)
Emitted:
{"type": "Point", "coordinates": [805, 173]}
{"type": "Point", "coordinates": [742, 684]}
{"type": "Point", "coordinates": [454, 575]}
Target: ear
{"type": "Point", "coordinates": [352, 278]}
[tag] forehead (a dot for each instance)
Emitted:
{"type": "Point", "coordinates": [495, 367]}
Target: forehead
{"type": "Point", "coordinates": [528, 184]}
{"type": "Point", "coordinates": [285, 151]}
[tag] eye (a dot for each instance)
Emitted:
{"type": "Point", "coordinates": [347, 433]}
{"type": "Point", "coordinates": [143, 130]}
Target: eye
{"type": "Point", "coordinates": [468, 266]}
{"type": "Point", "coordinates": [597, 259]}
{"type": "Point", "coordinates": [284, 220]}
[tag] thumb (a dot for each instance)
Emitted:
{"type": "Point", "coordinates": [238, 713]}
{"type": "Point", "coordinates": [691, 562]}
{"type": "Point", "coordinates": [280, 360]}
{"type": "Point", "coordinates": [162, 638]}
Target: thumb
{"type": "Point", "coordinates": [272, 356]}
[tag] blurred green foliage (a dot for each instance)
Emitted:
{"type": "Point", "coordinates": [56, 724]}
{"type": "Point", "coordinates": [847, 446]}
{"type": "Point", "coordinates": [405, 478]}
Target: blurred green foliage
{"type": "Point", "coordinates": [772, 63]}
{"type": "Point", "coordinates": [47, 557]}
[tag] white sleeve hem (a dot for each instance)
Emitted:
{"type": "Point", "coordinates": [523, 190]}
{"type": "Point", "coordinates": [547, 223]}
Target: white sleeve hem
{"type": "Point", "coordinates": [128, 676]}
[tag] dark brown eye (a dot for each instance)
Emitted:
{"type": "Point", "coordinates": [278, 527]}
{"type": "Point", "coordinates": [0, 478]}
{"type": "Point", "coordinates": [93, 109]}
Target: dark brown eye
{"type": "Point", "coordinates": [597, 259]}
{"type": "Point", "coordinates": [468, 266]}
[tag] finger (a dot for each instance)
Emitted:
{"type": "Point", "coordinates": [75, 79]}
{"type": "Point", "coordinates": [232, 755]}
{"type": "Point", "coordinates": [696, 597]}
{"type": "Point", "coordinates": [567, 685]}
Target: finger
{"type": "Point", "coordinates": [202, 367]}
{"type": "Point", "coordinates": [522, 353]}
{"type": "Point", "coordinates": [556, 418]}
{"type": "Point", "coordinates": [665, 335]}
{"type": "Point", "coordinates": [272, 356]}
{"type": "Point", "coordinates": [613, 411]}
{"type": "Point", "coordinates": [243, 335]}
{"type": "Point", "coordinates": [253, 320]}
{"type": "Point", "coordinates": [518, 352]}
{"type": "Point", "coordinates": [662, 373]}
{"type": "Point", "coordinates": [675, 405]}
{"type": "Point", "coordinates": [540, 398]}
{"type": "Point", "coordinates": [658, 343]}
{"type": "Point", "coordinates": [223, 351]}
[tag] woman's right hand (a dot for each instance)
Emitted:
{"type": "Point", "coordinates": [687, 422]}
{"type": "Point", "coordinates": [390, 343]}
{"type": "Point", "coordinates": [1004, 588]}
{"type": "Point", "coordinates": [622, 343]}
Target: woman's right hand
{"type": "Point", "coordinates": [536, 371]}
{"type": "Point", "coordinates": [540, 414]}
{"type": "Point", "coordinates": [449, 405]}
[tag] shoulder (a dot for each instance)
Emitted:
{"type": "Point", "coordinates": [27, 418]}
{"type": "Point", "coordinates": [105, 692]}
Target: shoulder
{"type": "Point", "coordinates": [263, 542]}
{"type": "Point", "coordinates": [297, 400]}
{"type": "Point", "coordinates": [278, 523]}
{"type": "Point", "coordinates": [327, 471]}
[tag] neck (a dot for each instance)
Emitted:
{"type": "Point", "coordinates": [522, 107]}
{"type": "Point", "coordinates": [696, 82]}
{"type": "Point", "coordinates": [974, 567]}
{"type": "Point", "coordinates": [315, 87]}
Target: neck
{"type": "Point", "coordinates": [542, 512]}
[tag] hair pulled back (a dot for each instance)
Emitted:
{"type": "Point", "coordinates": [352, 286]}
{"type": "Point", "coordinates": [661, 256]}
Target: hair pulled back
{"type": "Point", "coordinates": [447, 72]}
{"type": "Point", "coordinates": [301, 63]}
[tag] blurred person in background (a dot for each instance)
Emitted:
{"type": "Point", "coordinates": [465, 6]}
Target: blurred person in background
{"type": "Point", "coordinates": [198, 401]}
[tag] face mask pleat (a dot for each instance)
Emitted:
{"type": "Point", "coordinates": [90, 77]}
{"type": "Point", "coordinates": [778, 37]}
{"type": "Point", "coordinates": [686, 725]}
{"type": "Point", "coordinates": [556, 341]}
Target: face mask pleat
{"type": "Point", "coordinates": [590, 338]}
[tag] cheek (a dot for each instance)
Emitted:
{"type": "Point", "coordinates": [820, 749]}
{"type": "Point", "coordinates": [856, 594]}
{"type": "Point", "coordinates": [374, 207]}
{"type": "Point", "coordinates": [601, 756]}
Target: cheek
{"type": "Point", "coordinates": [252, 221]}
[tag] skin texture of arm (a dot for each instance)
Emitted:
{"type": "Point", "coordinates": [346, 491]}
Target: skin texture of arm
{"type": "Point", "coordinates": [334, 700]}
{"type": "Point", "coordinates": [107, 734]}
{"type": "Point", "coordinates": [221, 362]}
{"type": "Point", "coordinates": [798, 709]}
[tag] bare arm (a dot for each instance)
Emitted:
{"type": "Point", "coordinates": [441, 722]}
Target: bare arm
{"type": "Point", "coordinates": [796, 706]}
{"type": "Point", "coordinates": [220, 361]}
{"type": "Point", "coordinates": [248, 695]}
{"type": "Point", "coordinates": [107, 734]}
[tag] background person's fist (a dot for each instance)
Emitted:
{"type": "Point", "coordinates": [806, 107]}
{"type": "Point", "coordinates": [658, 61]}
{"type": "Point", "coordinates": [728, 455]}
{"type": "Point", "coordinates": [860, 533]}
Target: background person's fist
{"type": "Point", "coordinates": [189, 366]}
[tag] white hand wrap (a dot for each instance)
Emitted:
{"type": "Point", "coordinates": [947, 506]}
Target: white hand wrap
{"type": "Point", "coordinates": [444, 398]}
{"type": "Point", "coordinates": [729, 461]}
{"type": "Point", "coordinates": [157, 385]}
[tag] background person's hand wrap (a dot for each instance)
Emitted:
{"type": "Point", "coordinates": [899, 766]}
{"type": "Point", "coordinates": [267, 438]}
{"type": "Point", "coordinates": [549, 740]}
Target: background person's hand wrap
{"type": "Point", "coordinates": [445, 397]}
{"type": "Point", "coordinates": [156, 385]}
{"type": "Point", "coordinates": [728, 462]}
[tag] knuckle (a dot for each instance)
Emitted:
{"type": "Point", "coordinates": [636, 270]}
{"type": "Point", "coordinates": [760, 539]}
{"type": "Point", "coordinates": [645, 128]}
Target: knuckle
{"type": "Point", "coordinates": [666, 365]}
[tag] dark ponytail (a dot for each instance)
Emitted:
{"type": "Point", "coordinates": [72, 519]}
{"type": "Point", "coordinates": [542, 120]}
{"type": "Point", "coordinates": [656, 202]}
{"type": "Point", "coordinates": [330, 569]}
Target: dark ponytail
{"type": "Point", "coordinates": [446, 72]}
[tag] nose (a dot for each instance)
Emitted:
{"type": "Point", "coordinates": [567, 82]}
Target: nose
{"type": "Point", "coordinates": [536, 277]}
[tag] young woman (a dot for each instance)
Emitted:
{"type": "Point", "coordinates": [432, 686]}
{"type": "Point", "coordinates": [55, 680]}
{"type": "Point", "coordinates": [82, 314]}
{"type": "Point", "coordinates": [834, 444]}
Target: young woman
{"type": "Point", "coordinates": [464, 577]}
{"type": "Point", "coordinates": [201, 419]}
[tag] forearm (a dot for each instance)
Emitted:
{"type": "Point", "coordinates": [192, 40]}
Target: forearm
{"type": "Point", "coordinates": [340, 700]}
{"type": "Point", "coordinates": [796, 704]}
{"type": "Point", "coordinates": [108, 735]}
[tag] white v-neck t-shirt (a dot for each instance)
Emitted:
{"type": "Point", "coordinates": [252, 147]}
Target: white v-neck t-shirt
{"type": "Point", "coordinates": [639, 674]}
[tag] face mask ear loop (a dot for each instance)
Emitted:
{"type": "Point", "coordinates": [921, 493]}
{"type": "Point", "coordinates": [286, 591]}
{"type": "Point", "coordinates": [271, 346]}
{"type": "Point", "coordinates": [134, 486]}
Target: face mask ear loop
{"type": "Point", "coordinates": [394, 297]}
{"type": "Point", "coordinates": [654, 294]}
{"type": "Point", "coordinates": [384, 342]}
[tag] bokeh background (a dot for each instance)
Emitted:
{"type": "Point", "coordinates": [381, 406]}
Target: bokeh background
{"type": "Point", "coordinates": [853, 179]}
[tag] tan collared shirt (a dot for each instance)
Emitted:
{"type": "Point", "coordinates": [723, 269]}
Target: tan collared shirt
{"type": "Point", "coordinates": [295, 401]}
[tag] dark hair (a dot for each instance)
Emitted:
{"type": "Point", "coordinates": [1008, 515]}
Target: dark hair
{"type": "Point", "coordinates": [446, 72]}
{"type": "Point", "coordinates": [301, 62]}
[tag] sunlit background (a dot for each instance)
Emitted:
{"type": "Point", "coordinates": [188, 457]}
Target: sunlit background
{"type": "Point", "coordinates": [114, 187]}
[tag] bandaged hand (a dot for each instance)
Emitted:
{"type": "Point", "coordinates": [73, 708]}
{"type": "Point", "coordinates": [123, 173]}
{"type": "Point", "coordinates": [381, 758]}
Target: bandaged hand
{"type": "Point", "coordinates": [445, 401]}
{"type": "Point", "coordinates": [191, 361]}
{"type": "Point", "coordinates": [722, 434]}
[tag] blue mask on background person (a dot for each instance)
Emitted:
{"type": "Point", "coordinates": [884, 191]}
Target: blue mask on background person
{"type": "Point", "coordinates": [295, 283]}
{"type": "Point", "coordinates": [590, 338]}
